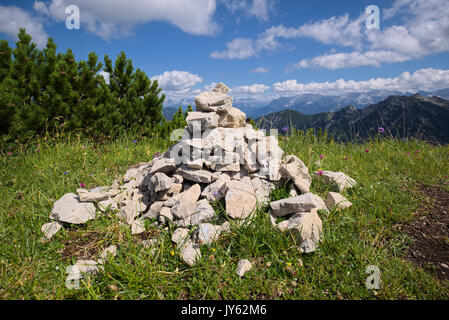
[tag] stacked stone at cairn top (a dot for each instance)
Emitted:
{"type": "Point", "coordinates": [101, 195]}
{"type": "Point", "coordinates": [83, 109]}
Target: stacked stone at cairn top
{"type": "Point", "coordinates": [218, 158]}
{"type": "Point", "coordinates": [217, 106]}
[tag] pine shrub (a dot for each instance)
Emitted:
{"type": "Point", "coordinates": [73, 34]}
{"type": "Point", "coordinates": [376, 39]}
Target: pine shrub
{"type": "Point", "coordinates": [42, 91]}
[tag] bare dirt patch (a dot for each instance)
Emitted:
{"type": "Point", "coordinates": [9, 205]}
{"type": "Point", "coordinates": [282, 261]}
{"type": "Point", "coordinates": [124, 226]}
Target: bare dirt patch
{"type": "Point", "coordinates": [429, 231]}
{"type": "Point", "coordinates": [83, 245]}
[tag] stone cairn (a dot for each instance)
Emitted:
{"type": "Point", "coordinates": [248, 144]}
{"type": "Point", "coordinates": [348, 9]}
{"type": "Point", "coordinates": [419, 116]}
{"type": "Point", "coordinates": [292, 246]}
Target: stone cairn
{"type": "Point", "coordinates": [219, 158]}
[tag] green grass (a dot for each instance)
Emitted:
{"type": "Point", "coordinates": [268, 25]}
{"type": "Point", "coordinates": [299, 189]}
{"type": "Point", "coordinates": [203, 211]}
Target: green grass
{"type": "Point", "coordinates": [32, 177]}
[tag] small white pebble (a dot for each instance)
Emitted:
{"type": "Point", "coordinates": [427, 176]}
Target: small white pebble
{"type": "Point", "coordinates": [243, 267]}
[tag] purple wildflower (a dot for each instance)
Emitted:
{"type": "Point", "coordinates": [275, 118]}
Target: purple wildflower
{"type": "Point", "coordinates": [285, 129]}
{"type": "Point", "coordinates": [66, 172]}
{"type": "Point", "coordinates": [320, 172]}
{"type": "Point", "coordinates": [321, 156]}
{"type": "Point", "coordinates": [82, 185]}
{"type": "Point", "coordinates": [157, 155]}
{"type": "Point", "coordinates": [367, 150]}
{"type": "Point", "coordinates": [134, 141]}
{"type": "Point", "coordinates": [381, 130]}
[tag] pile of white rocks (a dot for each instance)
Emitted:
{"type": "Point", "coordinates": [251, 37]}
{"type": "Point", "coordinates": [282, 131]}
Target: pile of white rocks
{"type": "Point", "coordinates": [219, 158]}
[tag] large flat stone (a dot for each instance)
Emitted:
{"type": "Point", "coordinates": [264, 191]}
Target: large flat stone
{"type": "Point", "coordinates": [303, 203]}
{"type": "Point", "coordinates": [164, 165]}
{"type": "Point", "coordinates": [308, 229]}
{"type": "Point", "coordinates": [240, 199]}
{"type": "Point", "coordinates": [70, 209]}
{"type": "Point", "coordinates": [200, 176]}
{"type": "Point", "coordinates": [185, 202]}
{"type": "Point", "coordinates": [213, 101]}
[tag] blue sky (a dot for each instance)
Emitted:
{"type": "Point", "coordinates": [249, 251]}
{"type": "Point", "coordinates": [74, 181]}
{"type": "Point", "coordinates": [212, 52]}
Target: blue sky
{"type": "Point", "coordinates": [261, 49]}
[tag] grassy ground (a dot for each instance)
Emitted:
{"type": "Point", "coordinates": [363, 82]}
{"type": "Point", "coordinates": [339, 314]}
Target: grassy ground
{"type": "Point", "coordinates": [32, 177]}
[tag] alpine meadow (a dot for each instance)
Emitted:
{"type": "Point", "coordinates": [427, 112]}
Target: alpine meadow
{"type": "Point", "coordinates": [224, 150]}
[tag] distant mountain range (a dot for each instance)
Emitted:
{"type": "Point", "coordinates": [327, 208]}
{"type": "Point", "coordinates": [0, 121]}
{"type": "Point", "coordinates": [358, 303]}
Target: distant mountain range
{"type": "Point", "coordinates": [309, 103]}
{"type": "Point", "coordinates": [306, 103]}
{"type": "Point", "coordinates": [417, 116]}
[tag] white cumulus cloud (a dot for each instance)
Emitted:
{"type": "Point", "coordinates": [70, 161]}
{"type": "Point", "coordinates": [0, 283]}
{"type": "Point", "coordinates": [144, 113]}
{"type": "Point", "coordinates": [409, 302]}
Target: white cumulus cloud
{"type": "Point", "coordinates": [239, 48]}
{"type": "Point", "coordinates": [333, 31]}
{"type": "Point", "coordinates": [252, 89]}
{"type": "Point", "coordinates": [422, 79]}
{"type": "Point", "coordinates": [336, 30]}
{"type": "Point", "coordinates": [13, 18]}
{"type": "Point", "coordinates": [177, 80]}
{"type": "Point", "coordinates": [257, 8]}
{"type": "Point", "coordinates": [335, 61]}
{"type": "Point", "coordinates": [421, 29]}
{"type": "Point", "coordinates": [425, 31]}
{"type": "Point", "coordinates": [109, 19]}
{"type": "Point", "coordinates": [178, 85]}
